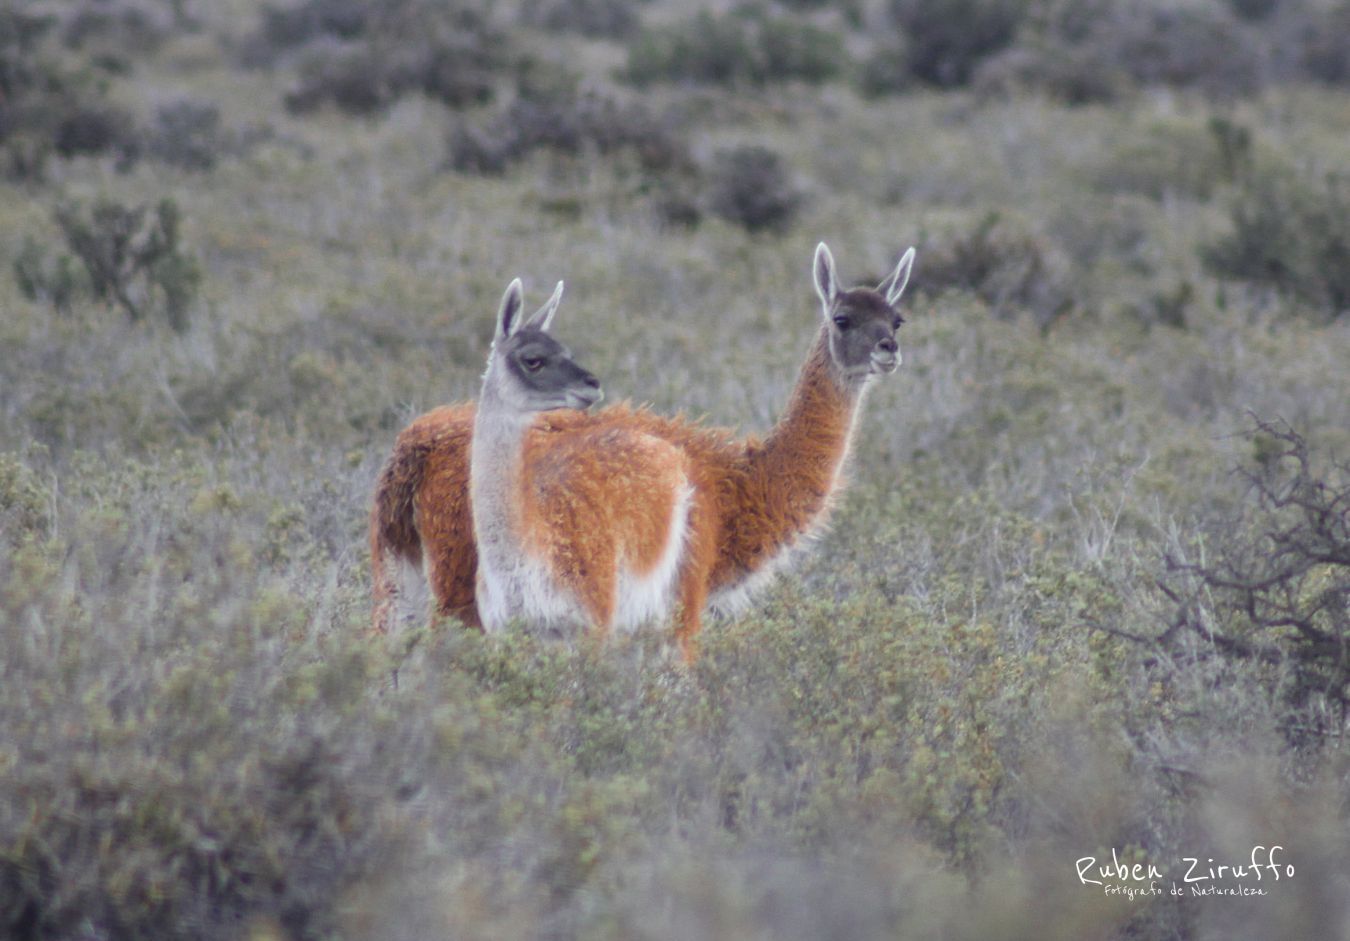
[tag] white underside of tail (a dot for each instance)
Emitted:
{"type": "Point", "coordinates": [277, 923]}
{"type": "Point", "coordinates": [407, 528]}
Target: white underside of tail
{"type": "Point", "coordinates": [649, 597]}
{"type": "Point", "coordinates": [411, 593]}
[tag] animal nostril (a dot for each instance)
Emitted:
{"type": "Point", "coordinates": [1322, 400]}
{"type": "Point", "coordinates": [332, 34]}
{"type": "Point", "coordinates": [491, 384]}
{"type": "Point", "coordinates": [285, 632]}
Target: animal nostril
{"type": "Point", "coordinates": [591, 381]}
{"type": "Point", "coordinates": [888, 344]}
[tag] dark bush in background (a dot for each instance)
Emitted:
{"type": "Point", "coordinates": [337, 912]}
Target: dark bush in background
{"type": "Point", "coordinates": [1290, 229]}
{"type": "Point", "coordinates": [49, 104]}
{"type": "Point", "coordinates": [752, 46]}
{"type": "Point", "coordinates": [1098, 51]}
{"type": "Point", "coordinates": [946, 40]}
{"type": "Point", "coordinates": [116, 32]}
{"type": "Point", "coordinates": [456, 68]}
{"type": "Point", "coordinates": [1005, 264]}
{"type": "Point", "coordinates": [127, 255]}
{"type": "Point", "coordinates": [609, 19]}
{"type": "Point", "coordinates": [188, 134]}
{"type": "Point", "coordinates": [751, 187]}
{"type": "Point", "coordinates": [1324, 45]}
{"type": "Point", "coordinates": [567, 122]}
{"type": "Point", "coordinates": [1184, 47]}
{"type": "Point", "coordinates": [286, 27]}
{"type": "Point", "coordinates": [362, 55]}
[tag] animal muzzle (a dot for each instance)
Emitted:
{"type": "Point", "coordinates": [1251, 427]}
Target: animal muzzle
{"type": "Point", "coordinates": [885, 356]}
{"type": "Point", "coordinates": [585, 391]}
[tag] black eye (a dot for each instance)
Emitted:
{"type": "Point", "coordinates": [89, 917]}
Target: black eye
{"type": "Point", "coordinates": [841, 322]}
{"type": "Point", "coordinates": [895, 324]}
{"type": "Point", "coordinates": [532, 363]}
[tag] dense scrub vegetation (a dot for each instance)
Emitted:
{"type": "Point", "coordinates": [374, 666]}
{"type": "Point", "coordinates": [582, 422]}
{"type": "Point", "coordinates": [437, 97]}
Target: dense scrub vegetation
{"type": "Point", "coordinates": [1088, 594]}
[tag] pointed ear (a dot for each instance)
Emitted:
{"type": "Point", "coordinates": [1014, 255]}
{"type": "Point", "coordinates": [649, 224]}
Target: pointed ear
{"type": "Point", "coordinates": [827, 282]}
{"type": "Point", "coordinates": [541, 318]}
{"type": "Point", "coordinates": [894, 286]}
{"type": "Point", "coordinates": [508, 314]}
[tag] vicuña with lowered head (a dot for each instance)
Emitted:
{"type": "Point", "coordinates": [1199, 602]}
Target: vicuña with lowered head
{"type": "Point", "coordinates": [749, 502]}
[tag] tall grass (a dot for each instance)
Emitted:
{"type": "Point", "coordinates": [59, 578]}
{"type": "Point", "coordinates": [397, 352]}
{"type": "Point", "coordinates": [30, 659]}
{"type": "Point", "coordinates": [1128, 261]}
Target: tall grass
{"type": "Point", "coordinates": [976, 678]}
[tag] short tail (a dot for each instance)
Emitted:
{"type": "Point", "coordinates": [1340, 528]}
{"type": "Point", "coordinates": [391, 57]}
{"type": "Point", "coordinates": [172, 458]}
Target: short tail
{"type": "Point", "coordinates": [393, 529]}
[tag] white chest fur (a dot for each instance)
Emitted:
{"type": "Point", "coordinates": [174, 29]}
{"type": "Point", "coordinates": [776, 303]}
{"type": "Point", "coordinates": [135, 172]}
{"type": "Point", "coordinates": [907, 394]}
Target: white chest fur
{"type": "Point", "coordinates": [520, 589]}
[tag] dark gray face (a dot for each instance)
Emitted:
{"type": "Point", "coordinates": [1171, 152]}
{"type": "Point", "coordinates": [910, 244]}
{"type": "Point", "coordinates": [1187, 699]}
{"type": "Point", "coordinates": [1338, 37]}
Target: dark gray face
{"type": "Point", "coordinates": [543, 369]}
{"type": "Point", "coordinates": [862, 333]}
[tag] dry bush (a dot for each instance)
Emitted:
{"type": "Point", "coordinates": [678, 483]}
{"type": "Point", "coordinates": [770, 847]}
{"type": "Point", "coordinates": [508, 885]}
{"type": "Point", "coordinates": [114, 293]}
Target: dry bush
{"type": "Point", "coordinates": [1007, 266]}
{"type": "Point", "coordinates": [1275, 589]}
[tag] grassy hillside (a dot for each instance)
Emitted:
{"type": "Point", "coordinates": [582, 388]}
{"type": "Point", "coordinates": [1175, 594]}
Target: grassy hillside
{"type": "Point", "coordinates": [1087, 591]}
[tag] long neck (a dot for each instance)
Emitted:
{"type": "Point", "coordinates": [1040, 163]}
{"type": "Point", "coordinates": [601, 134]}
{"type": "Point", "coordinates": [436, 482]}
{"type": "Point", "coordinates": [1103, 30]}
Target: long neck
{"type": "Point", "coordinates": [798, 465]}
{"type": "Point", "coordinates": [496, 468]}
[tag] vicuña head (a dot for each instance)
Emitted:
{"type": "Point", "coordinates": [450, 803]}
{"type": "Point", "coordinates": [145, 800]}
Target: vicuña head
{"type": "Point", "coordinates": [861, 322]}
{"type": "Point", "coordinates": [528, 370]}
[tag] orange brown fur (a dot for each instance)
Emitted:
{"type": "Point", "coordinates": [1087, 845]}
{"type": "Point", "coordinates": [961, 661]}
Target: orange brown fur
{"type": "Point", "coordinates": [752, 498]}
{"type": "Point", "coordinates": [582, 527]}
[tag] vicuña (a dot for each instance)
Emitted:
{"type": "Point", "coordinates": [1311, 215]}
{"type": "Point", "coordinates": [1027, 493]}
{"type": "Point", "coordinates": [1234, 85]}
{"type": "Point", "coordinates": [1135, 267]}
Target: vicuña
{"type": "Point", "coordinates": [733, 510]}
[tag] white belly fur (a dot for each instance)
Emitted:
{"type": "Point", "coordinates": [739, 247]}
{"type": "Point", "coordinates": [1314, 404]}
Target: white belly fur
{"type": "Point", "coordinates": [733, 599]}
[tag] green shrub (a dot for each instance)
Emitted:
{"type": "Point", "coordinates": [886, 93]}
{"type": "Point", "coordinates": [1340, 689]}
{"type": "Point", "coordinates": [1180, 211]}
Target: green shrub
{"type": "Point", "coordinates": [610, 19]}
{"type": "Point", "coordinates": [286, 27]}
{"type": "Point", "coordinates": [886, 71]}
{"type": "Point", "coordinates": [57, 281]}
{"type": "Point", "coordinates": [1006, 265]}
{"type": "Point", "coordinates": [708, 50]}
{"type": "Point", "coordinates": [167, 778]}
{"type": "Point", "coordinates": [1167, 159]}
{"type": "Point", "coordinates": [1086, 52]}
{"type": "Point", "coordinates": [457, 69]}
{"type": "Point", "coordinates": [1290, 230]}
{"type": "Point", "coordinates": [130, 255]}
{"type": "Point", "coordinates": [742, 47]}
{"type": "Point", "coordinates": [90, 130]}
{"type": "Point", "coordinates": [24, 501]}
{"type": "Point", "coordinates": [1197, 46]}
{"type": "Point", "coordinates": [568, 123]}
{"type": "Point", "coordinates": [799, 51]}
{"type": "Point", "coordinates": [188, 134]}
{"type": "Point", "coordinates": [1255, 10]}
